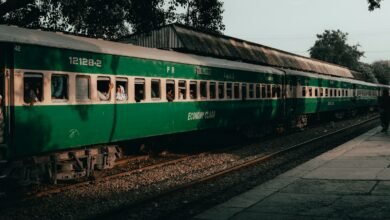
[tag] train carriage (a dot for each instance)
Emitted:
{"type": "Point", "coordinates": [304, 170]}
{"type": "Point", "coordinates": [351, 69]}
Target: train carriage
{"type": "Point", "coordinates": [62, 93]}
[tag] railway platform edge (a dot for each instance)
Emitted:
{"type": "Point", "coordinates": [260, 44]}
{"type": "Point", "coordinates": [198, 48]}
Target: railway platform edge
{"type": "Point", "coordinates": [352, 181]}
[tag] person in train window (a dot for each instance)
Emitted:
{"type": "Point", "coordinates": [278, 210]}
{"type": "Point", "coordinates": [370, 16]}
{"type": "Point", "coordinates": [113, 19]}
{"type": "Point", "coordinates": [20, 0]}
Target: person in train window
{"type": "Point", "coordinates": [120, 93]}
{"type": "Point", "coordinates": [181, 94]}
{"type": "Point", "coordinates": [384, 109]}
{"type": "Point", "coordinates": [30, 94]}
{"type": "Point", "coordinates": [57, 88]}
{"type": "Point", "coordinates": [105, 95]}
{"type": "Point", "coordinates": [170, 95]}
{"type": "Point", "coordinates": [139, 95]}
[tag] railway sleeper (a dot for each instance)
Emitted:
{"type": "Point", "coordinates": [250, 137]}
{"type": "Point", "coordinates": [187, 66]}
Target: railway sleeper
{"type": "Point", "coordinates": [63, 166]}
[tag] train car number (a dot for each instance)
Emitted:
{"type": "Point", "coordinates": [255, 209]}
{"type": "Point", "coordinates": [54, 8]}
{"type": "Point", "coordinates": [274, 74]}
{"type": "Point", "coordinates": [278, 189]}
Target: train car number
{"type": "Point", "coordinates": [80, 61]}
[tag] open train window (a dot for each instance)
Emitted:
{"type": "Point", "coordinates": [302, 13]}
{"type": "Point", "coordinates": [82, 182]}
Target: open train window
{"type": "Point", "coordinates": [263, 91]}
{"type": "Point", "coordinates": [182, 89]}
{"type": "Point", "coordinates": [330, 92]}
{"type": "Point", "coordinates": [339, 93]}
{"type": "Point", "coordinates": [244, 91]}
{"type": "Point", "coordinates": [155, 89]}
{"type": "Point", "coordinates": [258, 91]}
{"type": "Point", "coordinates": [229, 94]}
{"type": "Point", "coordinates": [104, 88]}
{"type": "Point", "coordinates": [251, 91]}
{"type": "Point", "coordinates": [193, 90]}
{"type": "Point", "coordinates": [170, 90]}
{"type": "Point", "coordinates": [221, 90]}
{"type": "Point", "coordinates": [236, 90]}
{"type": "Point", "coordinates": [213, 94]}
{"type": "Point", "coordinates": [276, 91]}
{"type": "Point", "coordinates": [139, 90]}
{"type": "Point", "coordinates": [303, 91]}
{"type": "Point", "coordinates": [310, 92]}
{"type": "Point", "coordinates": [316, 92]}
{"type": "Point", "coordinates": [59, 87]}
{"type": "Point", "coordinates": [269, 91]}
{"type": "Point", "coordinates": [82, 88]}
{"type": "Point", "coordinates": [33, 87]}
{"type": "Point", "coordinates": [121, 89]}
{"type": "Point", "coordinates": [203, 90]}
{"type": "Point", "coordinates": [326, 93]}
{"type": "Point", "coordinates": [321, 92]}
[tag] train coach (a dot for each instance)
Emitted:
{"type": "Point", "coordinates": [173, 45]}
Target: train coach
{"type": "Point", "coordinates": [67, 99]}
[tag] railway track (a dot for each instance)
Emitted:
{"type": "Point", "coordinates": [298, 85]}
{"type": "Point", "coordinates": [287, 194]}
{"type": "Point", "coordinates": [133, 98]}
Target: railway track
{"type": "Point", "coordinates": [122, 211]}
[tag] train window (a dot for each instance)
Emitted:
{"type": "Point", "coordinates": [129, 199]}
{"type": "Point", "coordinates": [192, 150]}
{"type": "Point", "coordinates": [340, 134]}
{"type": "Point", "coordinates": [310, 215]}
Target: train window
{"type": "Point", "coordinates": [59, 87]}
{"type": "Point", "coordinates": [278, 91]}
{"type": "Point", "coordinates": [170, 90]}
{"type": "Point", "coordinates": [258, 91]}
{"type": "Point", "coordinates": [203, 90]}
{"type": "Point", "coordinates": [156, 89]}
{"type": "Point", "coordinates": [326, 93]}
{"type": "Point", "coordinates": [121, 89]}
{"type": "Point", "coordinates": [251, 90]}
{"type": "Point", "coordinates": [263, 91]}
{"type": "Point", "coordinates": [316, 92]}
{"type": "Point", "coordinates": [182, 89]}
{"type": "Point", "coordinates": [221, 90]}
{"type": "Point", "coordinates": [229, 94]}
{"type": "Point", "coordinates": [33, 87]}
{"type": "Point", "coordinates": [139, 90]}
{"type": "Point", "coordinates": [244, 91]}
{"type": "Point", "coordinates": [310, 92]}
{"type": "Point", "coordinates": [82, 88]}
{"type": "Point", "coordinates": [339, 92]}
{"type": "Point", "coordinates": [212, 87]}
{"type": "Point", "coordinates": [269, 91]}
{"type": "Point", "coordinates": [330, 92]}
{"type": "Point", "coordinates": [236, 91]}
{"type": "Point", "coordinates": [321, 92]}
{"type": "Point", "coordinates": [193, 90]}
{"type": "Point", "coordinates": [303, 91]}
{"type": "Point", "coordinates": [274, 91]}
{"type": "Point", "coordinates": [104, 88]}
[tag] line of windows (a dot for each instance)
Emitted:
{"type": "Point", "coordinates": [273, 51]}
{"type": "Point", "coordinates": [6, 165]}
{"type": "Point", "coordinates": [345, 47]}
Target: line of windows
{"type": "Point", "coordinates": [187, 89]}
{"type": "Point", "coordinates": [307, 91]}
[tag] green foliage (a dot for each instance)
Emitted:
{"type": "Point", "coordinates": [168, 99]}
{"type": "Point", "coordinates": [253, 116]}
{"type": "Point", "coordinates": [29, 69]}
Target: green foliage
{"type": "Point", "coordinates": [331, 46]}
{"type": "Point", "coordinates": [374, 4]}
{"type": "Point", "coordinates": [381, 70]}
{"type": "Point", "coordinates": [110, 19]}
{"type": "Point", "coordinates": [203, 15]}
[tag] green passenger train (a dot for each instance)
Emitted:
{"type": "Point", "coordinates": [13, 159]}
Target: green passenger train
{"type": "Point", "coordinates": [64, 95]}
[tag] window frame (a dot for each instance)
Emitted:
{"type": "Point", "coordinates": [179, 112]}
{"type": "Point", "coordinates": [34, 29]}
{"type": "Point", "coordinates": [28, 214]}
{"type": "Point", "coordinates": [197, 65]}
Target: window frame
{"type": "Point", "coordinates": [53, 99]}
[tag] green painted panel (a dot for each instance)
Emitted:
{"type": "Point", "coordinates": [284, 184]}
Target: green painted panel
{"type": "Point", "coordinates": [50, 128]}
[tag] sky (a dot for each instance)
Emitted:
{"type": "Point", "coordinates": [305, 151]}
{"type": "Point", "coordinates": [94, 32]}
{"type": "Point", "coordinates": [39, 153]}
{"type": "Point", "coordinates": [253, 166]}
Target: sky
{"type": "Point", "coordinates": [292, 25]}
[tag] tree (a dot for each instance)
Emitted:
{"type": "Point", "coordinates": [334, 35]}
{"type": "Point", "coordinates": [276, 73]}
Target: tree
{"type": "Point", "coordinates": [147, 15]}
{"type": "Point", "coordinates": [109, 19]}
{"type": "Point", "coordinates": [204, 15]}
{"type": "Point", "coordinates": [381, 70]}
{"type": "Point", "coordinates": [374, 4]}
{"type": "Point", "coordinates": [331, 46]}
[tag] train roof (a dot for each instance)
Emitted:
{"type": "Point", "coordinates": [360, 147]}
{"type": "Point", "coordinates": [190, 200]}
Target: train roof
{"type": "Point", "coordinates": [186, 39]}
{"type": "Point", "coordinates": [14, 34]}
{"type": "Point", "coordinates": [316, 75]}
